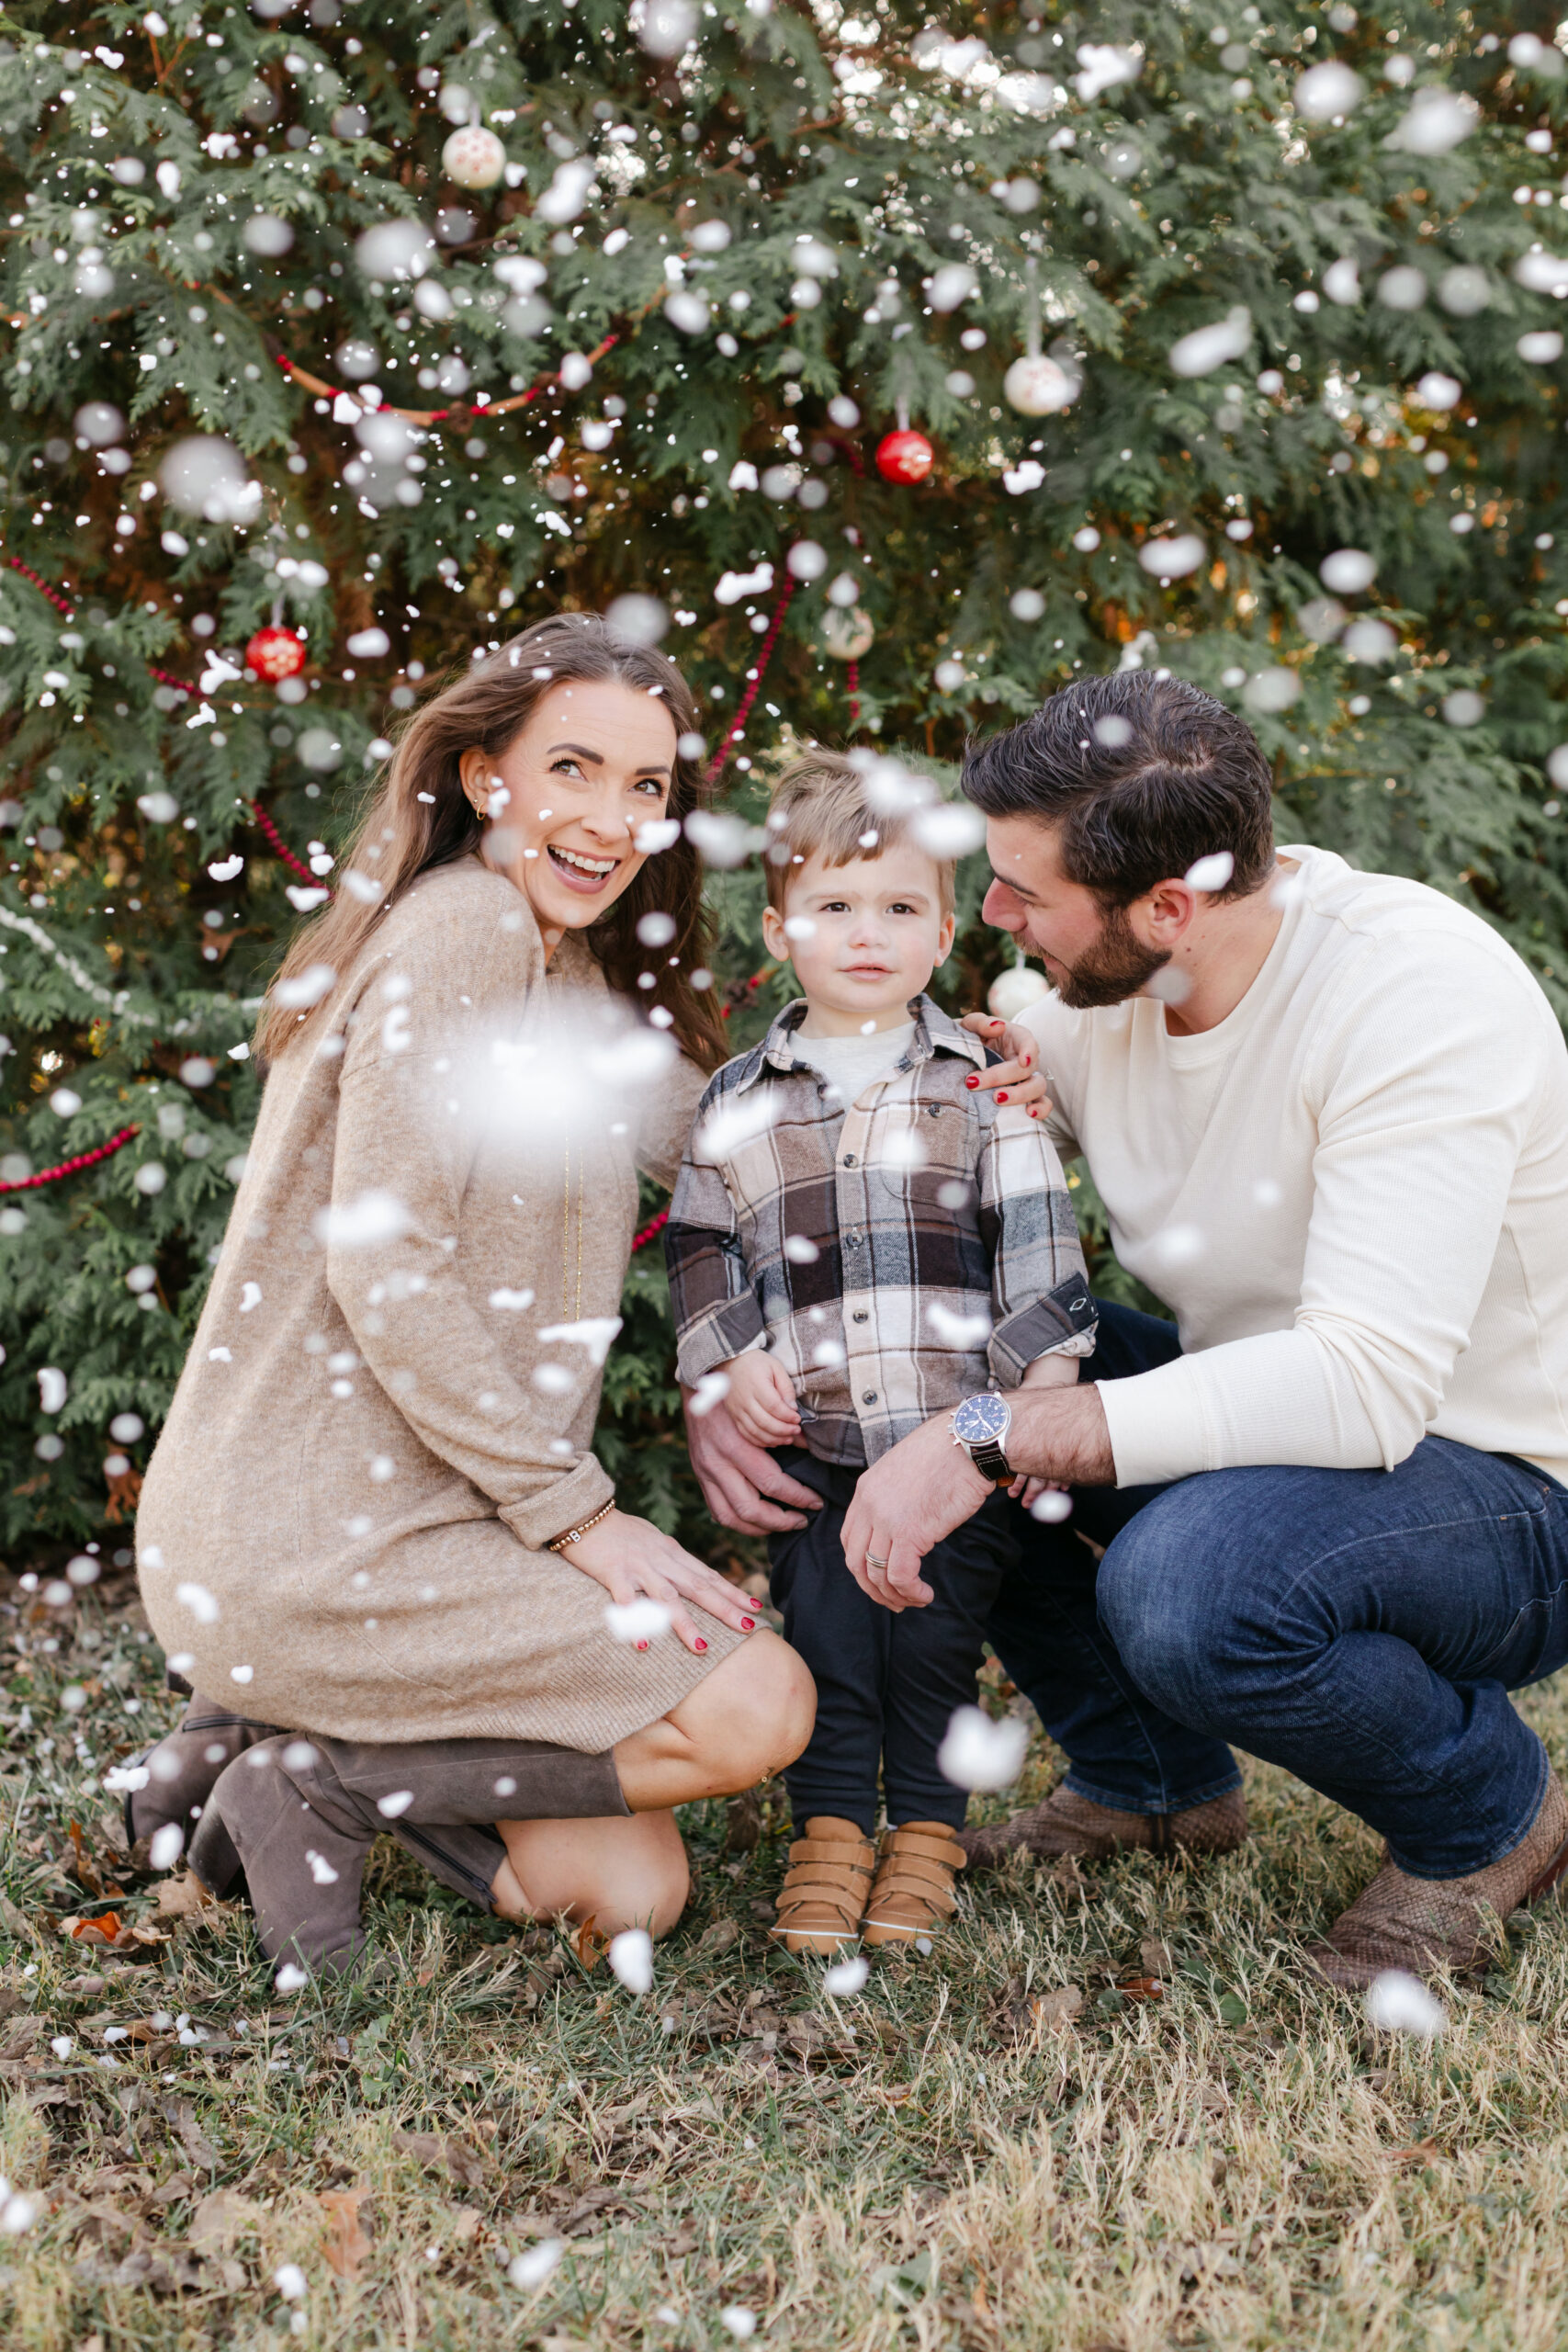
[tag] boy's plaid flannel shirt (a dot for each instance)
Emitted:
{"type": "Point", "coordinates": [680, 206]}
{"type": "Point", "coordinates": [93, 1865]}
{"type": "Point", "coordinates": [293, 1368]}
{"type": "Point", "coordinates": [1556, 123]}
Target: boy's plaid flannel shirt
{"type": "Point", "coordinates": [895, 1254]}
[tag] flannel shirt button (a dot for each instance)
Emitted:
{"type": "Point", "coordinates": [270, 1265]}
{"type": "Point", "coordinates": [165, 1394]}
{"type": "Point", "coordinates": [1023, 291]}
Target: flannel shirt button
{"type": "Point", "coordinates": [849, 1160]}
{"type": "Point", "coordinates": [868, 1397]}
{"type": "Point", "coordinates": [861, 1315]}
{"type": "Point", "coordinates": [934, 1109]}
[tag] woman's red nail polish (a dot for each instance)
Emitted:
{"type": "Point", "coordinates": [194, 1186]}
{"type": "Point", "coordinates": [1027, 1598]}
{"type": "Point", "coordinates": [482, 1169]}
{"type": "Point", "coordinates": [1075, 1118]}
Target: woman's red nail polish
{"type": "Point", "coordinates": [1002, 1096]}
{"type": "Point", "coordinates": [699, 1644]}
{"type": "Point", "coordinates": [971, 1081]}
{"type": "Point", "coordinates": [748, 1625]}
{"type": "Point", "coordinates": [642, 1646]}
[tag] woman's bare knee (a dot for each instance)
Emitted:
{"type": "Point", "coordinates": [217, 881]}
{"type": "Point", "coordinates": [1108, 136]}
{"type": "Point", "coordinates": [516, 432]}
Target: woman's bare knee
{"type": "Point", "coordinates": [617, 1872]}
{"type": "Point", "coordinates": [754, 1713]}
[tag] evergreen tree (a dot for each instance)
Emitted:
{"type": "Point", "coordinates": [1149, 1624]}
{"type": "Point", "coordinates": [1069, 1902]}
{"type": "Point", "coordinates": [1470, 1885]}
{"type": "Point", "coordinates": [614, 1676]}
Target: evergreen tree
{"type": "Point", "coordinates": [1282, 288]}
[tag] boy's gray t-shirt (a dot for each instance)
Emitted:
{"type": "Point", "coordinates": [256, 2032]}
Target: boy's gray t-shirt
{"type": "Point", "coordinates": [850, 1063]}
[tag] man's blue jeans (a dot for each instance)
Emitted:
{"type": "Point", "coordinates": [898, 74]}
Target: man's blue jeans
{"type": "Point", "coordinates": [1362, 1628]}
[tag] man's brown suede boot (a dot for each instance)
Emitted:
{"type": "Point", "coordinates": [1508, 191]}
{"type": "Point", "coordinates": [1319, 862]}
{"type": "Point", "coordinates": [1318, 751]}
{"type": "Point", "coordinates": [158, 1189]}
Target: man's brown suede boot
{"type": "Point", "coordinates": [1424, 1925]}
{"type": "Point", "coordinates": [1066, 1825]}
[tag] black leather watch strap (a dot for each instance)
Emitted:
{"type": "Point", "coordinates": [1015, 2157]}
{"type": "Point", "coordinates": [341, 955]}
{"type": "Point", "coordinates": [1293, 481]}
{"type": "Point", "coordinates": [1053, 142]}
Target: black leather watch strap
{"type": "Point", "coordinates": [992, 1462]}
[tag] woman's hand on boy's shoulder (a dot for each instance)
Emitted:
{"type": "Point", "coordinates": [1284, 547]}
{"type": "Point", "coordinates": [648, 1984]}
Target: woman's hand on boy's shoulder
{"type": "Point", "coordinates": [1017, 1078]}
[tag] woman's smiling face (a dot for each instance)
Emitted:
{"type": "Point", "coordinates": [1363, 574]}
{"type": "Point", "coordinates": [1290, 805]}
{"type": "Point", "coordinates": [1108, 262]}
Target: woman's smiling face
{"type": "Point", "coordinates": [594, 762]}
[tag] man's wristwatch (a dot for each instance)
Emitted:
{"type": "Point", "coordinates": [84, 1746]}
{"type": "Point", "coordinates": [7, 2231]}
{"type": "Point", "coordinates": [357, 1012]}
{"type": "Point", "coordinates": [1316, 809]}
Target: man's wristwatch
{"type": "Point", "coordinates": [980, 1425]}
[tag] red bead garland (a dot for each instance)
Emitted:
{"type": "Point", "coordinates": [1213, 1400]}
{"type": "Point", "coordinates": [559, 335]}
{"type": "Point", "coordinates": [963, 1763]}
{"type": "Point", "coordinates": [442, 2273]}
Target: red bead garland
{"type": "Point", "coordinates": [42, 584]}
{"type": "Point", "coordinates": [72, 1167]}
{"type": "Point", "coordinates": [280, 848]}
{"type": "Point", "coordinates": [648, 1231]}
{"type": "Point", "coordinates": [464, 412]}
{"type": "Point", "coordinates": [717, 766]}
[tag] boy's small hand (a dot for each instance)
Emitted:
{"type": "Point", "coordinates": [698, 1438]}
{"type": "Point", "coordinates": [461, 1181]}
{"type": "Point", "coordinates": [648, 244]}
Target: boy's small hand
{"type": "Point", "coordinates": [760, 1399]}
{"type": "Point", "coordinates": [1017, 1078]}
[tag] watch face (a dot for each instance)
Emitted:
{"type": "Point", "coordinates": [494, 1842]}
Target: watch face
{"type": "Point", "coordinates": [981, 1420]}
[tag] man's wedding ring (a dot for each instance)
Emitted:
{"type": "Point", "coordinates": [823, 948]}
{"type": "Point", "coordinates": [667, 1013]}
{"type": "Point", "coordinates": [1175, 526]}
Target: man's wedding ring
{"type": "Point", "coordinates": [872, 1561]}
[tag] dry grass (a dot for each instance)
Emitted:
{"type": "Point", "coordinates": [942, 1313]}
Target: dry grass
{"type": "Point", "coordinates": [942, 2161]}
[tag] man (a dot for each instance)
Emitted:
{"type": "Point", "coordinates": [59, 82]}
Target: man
{"type": "Point", "coordinates": [1328, 1114]}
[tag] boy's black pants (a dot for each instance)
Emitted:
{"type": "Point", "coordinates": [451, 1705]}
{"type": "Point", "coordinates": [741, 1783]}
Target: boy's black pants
{"type": "Point", "coordinates": [886, 1683]}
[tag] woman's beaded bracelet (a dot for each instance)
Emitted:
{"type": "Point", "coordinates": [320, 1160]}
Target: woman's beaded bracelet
{"type": "Point", "coordinates": [559, 1542]}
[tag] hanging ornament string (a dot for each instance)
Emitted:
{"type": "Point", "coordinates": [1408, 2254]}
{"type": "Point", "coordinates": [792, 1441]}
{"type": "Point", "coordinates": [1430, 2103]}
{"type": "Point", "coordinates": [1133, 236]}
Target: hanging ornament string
{"type": "Point", "coordinates": [72, 1167]}
{"type": "Point", "coordinates": [717, 766]}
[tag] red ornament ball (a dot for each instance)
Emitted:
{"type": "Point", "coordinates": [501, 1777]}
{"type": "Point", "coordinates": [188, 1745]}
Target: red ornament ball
{"type": "Point", "coordinates": [276, 653]}
{"type": "Point", "coordinates": [904, 456]}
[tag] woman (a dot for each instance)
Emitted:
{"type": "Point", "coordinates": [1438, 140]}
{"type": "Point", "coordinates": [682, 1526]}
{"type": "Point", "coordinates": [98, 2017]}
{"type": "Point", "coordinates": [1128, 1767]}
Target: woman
{"type": "Point", "coordinates": [374, 1516]}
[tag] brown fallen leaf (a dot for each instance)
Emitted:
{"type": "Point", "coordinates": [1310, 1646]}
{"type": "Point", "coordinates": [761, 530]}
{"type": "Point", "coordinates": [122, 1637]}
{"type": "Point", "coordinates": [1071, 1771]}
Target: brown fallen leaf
{"type": "Point", "coordinates": [744, 1823]}
{"type": "Point", "coordinates": [183, 1897]}
{"type": "Point", "coordinates": [1421, 2153]}
{"type": "Point", "coordinates": [466, 2164]}
{"type": "Point", "coordinates": [719, 1937]}
{"type": "Point", "coordinates": [100, 1931]}
{"type": "Point", "coordinates": [1141, 1988]}
{"type": "Point", "coordinates": [1054, 2010]}
{"type": "Point", "coordinates": [222, 2216]}
{"type": "Point", "coordinates": [197, 2144]}
{"type": "Point", "coordinates": [346, 2243]}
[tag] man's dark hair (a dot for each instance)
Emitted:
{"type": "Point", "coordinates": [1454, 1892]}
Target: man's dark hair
{"type": "Point", "coordinates": [1144, 774]}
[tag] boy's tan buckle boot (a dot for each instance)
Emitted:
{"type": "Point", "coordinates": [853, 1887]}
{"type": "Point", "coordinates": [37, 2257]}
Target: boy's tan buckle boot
{"type": "Point", "coordinates": [913, 1895]}
{"type": "Point", "coordinates": [1424, 1925]}
{"type": "Point", "coordinates": [822, 1900]}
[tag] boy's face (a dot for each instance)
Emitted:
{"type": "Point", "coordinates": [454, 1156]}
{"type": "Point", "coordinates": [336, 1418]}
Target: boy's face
{"type": "Point", "coordinates": [863, 937]}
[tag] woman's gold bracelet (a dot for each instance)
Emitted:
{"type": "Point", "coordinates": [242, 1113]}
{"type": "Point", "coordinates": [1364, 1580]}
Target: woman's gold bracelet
{"type": "Point", "coordinates": [559, 1542]}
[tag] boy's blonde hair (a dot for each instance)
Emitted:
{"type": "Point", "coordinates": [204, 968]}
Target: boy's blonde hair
{"type": "Point", "coordinates": [819, 808]}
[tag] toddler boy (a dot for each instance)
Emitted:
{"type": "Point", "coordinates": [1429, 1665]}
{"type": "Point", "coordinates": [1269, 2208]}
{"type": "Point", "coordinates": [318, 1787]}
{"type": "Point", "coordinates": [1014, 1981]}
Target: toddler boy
{"type": "Point", "coordinates": [860, 1238]}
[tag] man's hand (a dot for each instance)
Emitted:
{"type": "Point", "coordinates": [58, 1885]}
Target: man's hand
{"type": "Point", "coordinates": [905, 1504]}
{"type": "Point", "coordinates": [927, 1486]}
{"type": "Point", "coordinates": [736, 1475]}
{"type": "Point", "coordinates": [761, 1398]}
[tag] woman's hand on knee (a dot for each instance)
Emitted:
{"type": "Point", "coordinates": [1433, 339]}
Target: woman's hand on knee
{"type": "Point", "coordinates": [635, 1561]}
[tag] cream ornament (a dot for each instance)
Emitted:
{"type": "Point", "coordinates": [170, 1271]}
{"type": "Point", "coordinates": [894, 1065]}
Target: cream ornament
{"type": "Point", "coordinates": [1036, 386]}
{"type": "Point", "coordinates": [1012, 992]}
{"type": "Point", "coordinates": [847, 636]}
{"type": "Point", "coordinates": [473, 157]}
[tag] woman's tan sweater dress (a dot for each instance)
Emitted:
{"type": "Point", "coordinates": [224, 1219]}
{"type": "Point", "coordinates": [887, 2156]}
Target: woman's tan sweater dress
{"type": "Point", "coordinates": [373, 1436]}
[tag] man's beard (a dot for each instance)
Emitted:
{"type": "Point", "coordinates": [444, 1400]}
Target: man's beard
{"type": "Point", "coordinates": [1117, 966]}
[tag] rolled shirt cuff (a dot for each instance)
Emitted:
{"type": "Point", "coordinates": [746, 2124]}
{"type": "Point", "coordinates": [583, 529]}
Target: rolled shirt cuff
{"type": "Point", "coordinates": [726, 1332]}
{"type": "Point", "coordinates": [1064, 1321]}
{"type": "Point", "coordinates": [564, 1503]}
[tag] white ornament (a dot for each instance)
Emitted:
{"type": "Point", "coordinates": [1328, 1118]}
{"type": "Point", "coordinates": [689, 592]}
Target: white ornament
{"type": "Point", "coordinates": [1037, 387]}
{"type": "Point", "coordinates": [847, 636]}
{"type": "Point", "coordinates": [1020, 985]}
{"type": "Point", "coordinates": [473, 157]}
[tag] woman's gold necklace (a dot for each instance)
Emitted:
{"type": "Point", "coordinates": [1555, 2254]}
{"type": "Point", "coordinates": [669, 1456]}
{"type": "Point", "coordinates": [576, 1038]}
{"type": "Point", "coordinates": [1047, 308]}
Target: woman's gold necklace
{"type": "Point", "coordinates": [570, 1299]}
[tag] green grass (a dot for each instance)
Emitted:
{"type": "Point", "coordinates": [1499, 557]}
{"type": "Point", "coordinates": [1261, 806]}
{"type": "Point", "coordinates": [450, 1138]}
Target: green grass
{"type": "Point", "coordinates": [940, 2161]}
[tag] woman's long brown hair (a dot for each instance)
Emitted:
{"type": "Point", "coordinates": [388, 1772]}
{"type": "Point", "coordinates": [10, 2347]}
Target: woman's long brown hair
{"type": "Point", "coordinates": [419, 817]}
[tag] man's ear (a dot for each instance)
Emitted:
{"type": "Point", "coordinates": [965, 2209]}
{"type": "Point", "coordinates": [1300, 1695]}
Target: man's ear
{"type": "Point", "coordinates": [1168, 910]}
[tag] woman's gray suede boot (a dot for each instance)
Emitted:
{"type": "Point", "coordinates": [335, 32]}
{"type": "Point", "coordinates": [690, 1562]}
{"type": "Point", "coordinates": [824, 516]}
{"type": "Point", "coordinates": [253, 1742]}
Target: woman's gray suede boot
{"type": "Point", "coordinates": [298, 1816]}
{"type": "Point", "coordinates": [182, 1770]}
